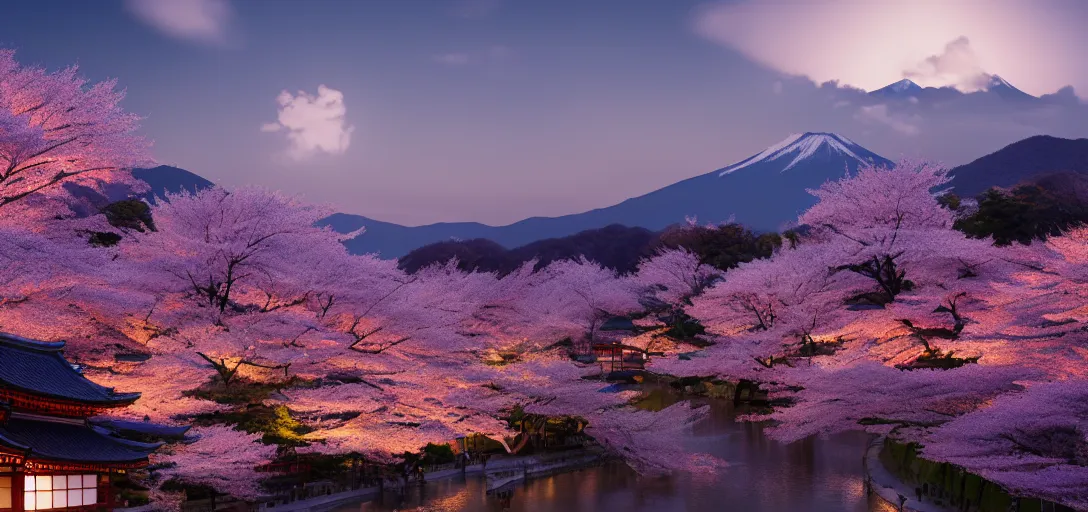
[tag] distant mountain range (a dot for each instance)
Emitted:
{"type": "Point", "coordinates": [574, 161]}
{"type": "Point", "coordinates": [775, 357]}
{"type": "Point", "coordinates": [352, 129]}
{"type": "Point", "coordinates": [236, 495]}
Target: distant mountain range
{"type": "Point", "coordinates": [765, 192]}
{"type": "Point", "coordinates": [164, 178]}
{"type": "Point", "coordinates": [1020, 162]}
{"type": "Point", "coordinates": [995, 87]}
{"type": "Point", "coordinates": [996, 91]}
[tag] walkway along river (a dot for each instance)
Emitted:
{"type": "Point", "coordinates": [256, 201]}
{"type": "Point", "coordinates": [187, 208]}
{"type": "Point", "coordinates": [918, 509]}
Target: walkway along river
{"type": "Point", "coordinates": [819, 475]}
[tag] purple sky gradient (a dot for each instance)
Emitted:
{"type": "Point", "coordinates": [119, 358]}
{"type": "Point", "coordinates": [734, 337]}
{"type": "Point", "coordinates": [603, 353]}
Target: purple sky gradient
{"type": "Point", "coordinates": [496, 110]}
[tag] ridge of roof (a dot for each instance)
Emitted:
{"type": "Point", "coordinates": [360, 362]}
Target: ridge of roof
{"type": "Point", "coordinates": [27, 343]}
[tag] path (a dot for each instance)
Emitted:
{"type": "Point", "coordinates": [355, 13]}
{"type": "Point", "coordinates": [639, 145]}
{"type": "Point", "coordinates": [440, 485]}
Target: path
{"type": "Point", "coordinates": [889, 487]}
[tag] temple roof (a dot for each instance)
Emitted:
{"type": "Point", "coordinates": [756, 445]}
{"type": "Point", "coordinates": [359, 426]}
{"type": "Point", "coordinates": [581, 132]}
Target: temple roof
{"type": "Point", "coordinates": [141, 428]}
{"type": "Point", "coordinates": [38, 368]}
{"type": "Point", "coordinates": [69, 442]}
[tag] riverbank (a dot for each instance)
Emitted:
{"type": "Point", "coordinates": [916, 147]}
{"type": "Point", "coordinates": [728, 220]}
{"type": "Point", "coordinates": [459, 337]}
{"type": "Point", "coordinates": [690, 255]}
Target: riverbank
{"type": "Point", "coordinates": [890, 488]}
{"type": "Point", "coordinates": [532, 465]}
{"type": "Point", "coordinates": [333, 500]}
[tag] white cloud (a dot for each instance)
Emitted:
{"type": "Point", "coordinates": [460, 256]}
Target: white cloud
{"type": "Point", "coordinates": [452, 59]}
{"type": "Point", "coordinates": [882, 115]}
{"type": "Point", "coordinates": [313, 123]}
{"type": "Point", "coordinates": [957, 65]}
{"type": "Point", "coordinates": [203, 21]}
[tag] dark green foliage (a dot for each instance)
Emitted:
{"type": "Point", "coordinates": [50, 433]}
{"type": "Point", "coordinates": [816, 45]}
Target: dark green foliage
{"type": "Point", "coordinates": [952, 485]}
{"type": "Point", "coordinates": [240, 392]}
{"type": "Point", "coordinates": [477, 254]}
{"type": "Point", "coordinates": [683, 327]}
{"type": "Point", "coordinates": [617, 247]}
{"type": "Point", "coordinates": [937, 360]}
{"type": "Point", "coordinates": [950, 201]}
{"type": "Point", "coordinates": [104, 239]}
{"type": "Point", "coordinates": [724, 246]}
{"type": "Point", "coordinates": [1025, 213]}
{"type": "Point", "coordinates": [125, 214]}
{"type": "Point", "coordinates": [129, 214]}
{"type": "Point", "coordinates": [438, 454]}
{"type": "Point", "coordinates": [275, 423]}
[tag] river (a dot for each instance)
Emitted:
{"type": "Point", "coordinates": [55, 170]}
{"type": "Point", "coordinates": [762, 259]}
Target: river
{"type": "Point", "coordinates": [762, 475]}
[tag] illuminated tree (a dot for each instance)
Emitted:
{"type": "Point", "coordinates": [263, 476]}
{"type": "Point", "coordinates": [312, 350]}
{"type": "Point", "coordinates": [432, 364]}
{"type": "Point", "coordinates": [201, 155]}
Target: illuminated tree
{"type": "Point", "coordinates": [56, 129]}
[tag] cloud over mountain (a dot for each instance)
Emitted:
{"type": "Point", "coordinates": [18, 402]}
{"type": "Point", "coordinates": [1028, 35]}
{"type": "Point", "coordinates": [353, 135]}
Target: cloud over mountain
{"type": "Point", "coordinates": [869, 44]}
{"type": "Point", "coordinates": [957, 66]}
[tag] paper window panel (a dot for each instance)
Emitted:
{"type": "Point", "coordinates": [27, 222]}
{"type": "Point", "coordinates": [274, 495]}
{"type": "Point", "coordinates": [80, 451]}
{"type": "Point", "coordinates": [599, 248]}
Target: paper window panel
{"type": "Point", "coordinates": [60, 499]}
{"type": "Point", "coordinates": [74, 481]}
{"type": "Point", "coordinates": [90, 496]}
{"type": "Point", "coordinates": [44, 501]}
{"type": "Point", "coordinates": [28, 500]}
{"type": "Point", "coordinates": [75, 497]}
{"type": "Point", "coordinates": [43, 483]}
{"type": "Point", "coordinates": [60, 482]}
{"type": "Point", "coordinates": [90, 481]}
{"type": "Point", "coordinates": [28, 483]}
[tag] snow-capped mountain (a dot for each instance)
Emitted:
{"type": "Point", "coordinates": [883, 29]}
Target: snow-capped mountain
{"type": "Point", "coordinates": [764, 192]}
{"type": "Point", "coordinates": [906, 89]}
{"type": "Point", "coordinates": [902, 88]}
{"type": "Point", "coordinates": [799, 147]}
{"type": "Point", "coordinates": [1000, 87]}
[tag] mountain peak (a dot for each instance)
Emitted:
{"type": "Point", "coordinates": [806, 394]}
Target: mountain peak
{"type": "Point", "coordinates": [803, 146]}
{"type": "Point", "coordinates": [997, 81]}
{"type": "Point", "coordinates": [1003, 88]}
{"type": "Point", "coordinates": [904, 86]}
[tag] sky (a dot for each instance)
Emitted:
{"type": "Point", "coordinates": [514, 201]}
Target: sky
{"type": "Point", "coordinates": [421, 111]}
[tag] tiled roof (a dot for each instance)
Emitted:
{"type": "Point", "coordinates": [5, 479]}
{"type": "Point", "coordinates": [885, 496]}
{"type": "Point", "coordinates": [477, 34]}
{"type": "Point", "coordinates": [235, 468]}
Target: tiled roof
{"type": "Point", "coordinates": [69, 442]}
{"type": "Point", "coordinates": [39, 368]}
{"type": "Point", "coordinates": [142, 428]}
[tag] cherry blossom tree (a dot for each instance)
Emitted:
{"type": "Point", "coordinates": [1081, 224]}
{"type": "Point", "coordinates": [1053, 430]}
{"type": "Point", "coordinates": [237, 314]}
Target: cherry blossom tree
{"type": "Point", "coordinates": [220, 457]}
{"type": "Point", "coordinates": [675, 276]}
{"type": "Point", "coordinates": [223, 244]}
{"type": "Point", "coordinates": [55, 128]}
{"type": "Point", "coordinates": [900, 196]}
{"type": "Point", "coordinates": [877, 397]}
{"type": "Point", "coordinates": [1033, 442]}
{"type": "Point", "coordinates": [577, 296]}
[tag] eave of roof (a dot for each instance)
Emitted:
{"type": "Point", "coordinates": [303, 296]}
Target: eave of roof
{"type": "Point", "coordinates": [39, 368]}
{"type": "Point", "coordinates": [69, 442]}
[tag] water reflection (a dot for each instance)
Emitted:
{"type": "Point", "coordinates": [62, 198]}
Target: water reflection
{"type": "Point", "coordinates": [810, 475]}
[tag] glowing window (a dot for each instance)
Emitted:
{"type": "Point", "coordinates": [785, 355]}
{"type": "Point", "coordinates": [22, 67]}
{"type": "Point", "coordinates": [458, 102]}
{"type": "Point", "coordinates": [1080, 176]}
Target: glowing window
{"type": "Point", "coordinates": [46, 492]}
{"type": "Point", "coordinates": [5, 492]}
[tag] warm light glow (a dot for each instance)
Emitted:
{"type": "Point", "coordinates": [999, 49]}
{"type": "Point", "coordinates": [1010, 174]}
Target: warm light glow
{"type": "Point", "coordinates": [44, 492]}
{"type": "Point", "coordinates": [870, 44]}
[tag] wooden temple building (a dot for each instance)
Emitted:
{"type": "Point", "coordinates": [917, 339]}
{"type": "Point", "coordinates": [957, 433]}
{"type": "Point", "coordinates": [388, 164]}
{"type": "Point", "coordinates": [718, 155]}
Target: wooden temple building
{"type": "Point", "coordinates": [51, 455]}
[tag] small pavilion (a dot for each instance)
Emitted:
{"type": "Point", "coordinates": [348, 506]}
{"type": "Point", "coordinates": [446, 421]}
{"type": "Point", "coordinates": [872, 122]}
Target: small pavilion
{"type": "Point", "coordinates": [51, 455]}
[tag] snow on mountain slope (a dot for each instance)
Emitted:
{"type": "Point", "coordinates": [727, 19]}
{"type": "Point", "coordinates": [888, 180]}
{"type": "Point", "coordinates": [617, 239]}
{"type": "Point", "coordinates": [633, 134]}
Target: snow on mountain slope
{"type": "Point", "coordinates": [1003, 88]}
{"type": "Point", "coordinates": [756, 192]}
{"type": "Point", "coordinates": [904, 87]}
{"type": "Point", "coordinates": [801, 146]}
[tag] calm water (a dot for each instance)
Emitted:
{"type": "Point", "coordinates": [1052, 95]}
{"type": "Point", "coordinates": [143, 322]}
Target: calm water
{"type": "Point", "coordinates": [811, 475]}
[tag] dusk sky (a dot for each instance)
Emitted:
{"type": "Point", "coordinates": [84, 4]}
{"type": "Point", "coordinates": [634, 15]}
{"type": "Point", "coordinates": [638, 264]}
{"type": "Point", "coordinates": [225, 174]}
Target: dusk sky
{"type": "Point", "coordinates": [419, 111]}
